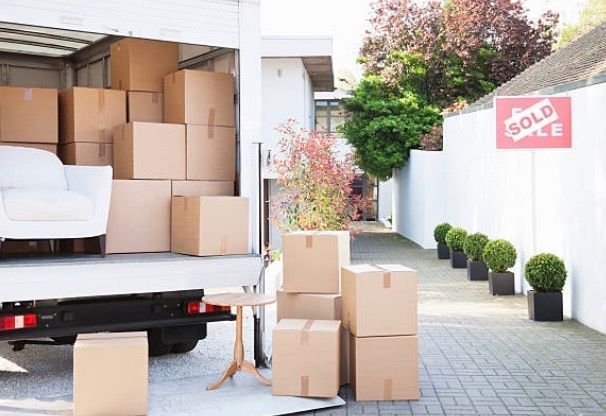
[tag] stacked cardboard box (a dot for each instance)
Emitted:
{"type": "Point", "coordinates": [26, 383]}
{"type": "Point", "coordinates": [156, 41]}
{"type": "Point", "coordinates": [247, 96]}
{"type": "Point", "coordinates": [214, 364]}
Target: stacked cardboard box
{"type": "Point", "coordinates": [380, 311]}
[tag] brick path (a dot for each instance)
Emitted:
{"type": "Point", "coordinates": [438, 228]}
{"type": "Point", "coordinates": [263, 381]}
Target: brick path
{"type": "Point", "coordinates": [480, 355]}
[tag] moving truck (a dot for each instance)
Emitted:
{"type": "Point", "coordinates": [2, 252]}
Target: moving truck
{"type": "Point", "coordinates": [65, 44]}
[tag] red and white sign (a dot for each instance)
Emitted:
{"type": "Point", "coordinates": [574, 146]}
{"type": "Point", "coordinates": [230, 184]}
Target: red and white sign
{"type": "Point", "coordinates": [533, 122]}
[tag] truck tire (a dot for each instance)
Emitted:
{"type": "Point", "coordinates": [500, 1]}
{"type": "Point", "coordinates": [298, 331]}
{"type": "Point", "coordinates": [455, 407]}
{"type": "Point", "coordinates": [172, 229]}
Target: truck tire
{"type": "Point", "coordinates": [156, 347]}
{"type": "Point", "coordinates": [184, 347]}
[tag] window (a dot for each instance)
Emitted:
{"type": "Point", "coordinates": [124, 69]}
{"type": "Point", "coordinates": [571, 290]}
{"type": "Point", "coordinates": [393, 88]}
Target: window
{"type": "Point", "coordinates": [329, 115]}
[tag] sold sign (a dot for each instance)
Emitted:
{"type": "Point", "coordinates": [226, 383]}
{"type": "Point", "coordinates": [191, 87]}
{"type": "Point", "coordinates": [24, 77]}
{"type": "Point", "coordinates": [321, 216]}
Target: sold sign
{"type": "Point", "coordinates": [533, 122]}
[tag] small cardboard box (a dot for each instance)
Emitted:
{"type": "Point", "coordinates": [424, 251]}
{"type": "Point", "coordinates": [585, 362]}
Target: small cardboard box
{"type": "Point", "coordinates": [385, 368]}
{"type": "Point", "coordinates": [379, 300]}
{"type": "Point", "coordinates": [209, 225]}
{"type": "Point", "coordinates": [145, 106]}
{"type": "Point", "coordinates": [89, 114]}
{"type": "Point", "coordinates": [140, 65]}
{"type": "Point", "coordinates": [29, 115]}
{"type": "Point", "coordinates": [87, 154]}
{"type": "Point", "coordinates": [199, 97]}
{"type": "Point", "coordinates": [149, 151]}
{"type": "Point", "coordinates": [110, 374]}
{"type": "Point", "coordinates": [42, 146]}
{"type": "Point", "coordinates": [203, 188]}
{"type": "Point", "coordinates": [313, 259]}
{"type": "Point", "coordinates": [211, 153]}
{"type": "Point", "coordinates": [306, 358]}
{"type": "Point", "coordinates": [316, 306]}
{"type": "Point", "coordinates": [139, 217]}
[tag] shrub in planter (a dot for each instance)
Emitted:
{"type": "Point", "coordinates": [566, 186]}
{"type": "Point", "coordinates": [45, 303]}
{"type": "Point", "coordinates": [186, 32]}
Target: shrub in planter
{"type": "Point", "coordinates": [499, 256]}
{"type": "Point", "coordinates": [455, 239]}
{"type": "Point", "coordinates": [546, 273]}
{"type": "Point", "coordinates": [473, 248]}
{"type": "Point", "coordinates": [439, 234]}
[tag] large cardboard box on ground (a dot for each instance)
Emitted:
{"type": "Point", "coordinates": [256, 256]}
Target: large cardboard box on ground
{"type": "Point", "coordinates": [312, 260]}
{"type": "Point", "coordinates": [203, 188]}
{"type": "Point", "coordinates": [199, 97]}
{"type": "Point", "coordinates": [111, 374]}
{"type": "Point", "coordinates": [89, 114]}
{"type": "Point", "coordinates": [379, 300]}
{"type": "Point", "coordinates": [29, 115]}
{"type": "Point", "coordinates": [209, 225]}
{"type": "Point", "coordinates": [305, 358]}
{"type": "Point", "coordinates": [139, 217]}
{"type": "Point", "coordinates": [316, 306]}
{"type": "Point", "coordinates": [149, 151]}
{"type": "Point", "coordinates": [140, 65]}
{"type": "Point", "coordinates": [87, 154]}
{"type": "Point", "coordinates": [145, 106]}
{"type": "Point", "coordinates": [42, 146]}
{"type": "Point", "coordinates": [211, 153]}
{"type": "Point", "coordinates": [385, 368]}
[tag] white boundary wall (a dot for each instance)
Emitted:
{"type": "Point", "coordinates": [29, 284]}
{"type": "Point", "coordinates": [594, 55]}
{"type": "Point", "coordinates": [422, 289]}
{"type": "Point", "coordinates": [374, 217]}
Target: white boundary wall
{"type": "Point", "coordinates": [542, 201]}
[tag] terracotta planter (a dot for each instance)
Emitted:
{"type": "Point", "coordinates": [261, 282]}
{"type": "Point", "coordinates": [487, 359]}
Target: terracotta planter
{"type": "Point", "coordinates": [458, 259]}
{"type": "Point", "coordinates": [545, 306]}
{"type": "Point", "coordinates": [501, 283]}
{"type": "Point", "coordinates": [477, 270]}
{"type": "Point", "coordinates": [443, 252]}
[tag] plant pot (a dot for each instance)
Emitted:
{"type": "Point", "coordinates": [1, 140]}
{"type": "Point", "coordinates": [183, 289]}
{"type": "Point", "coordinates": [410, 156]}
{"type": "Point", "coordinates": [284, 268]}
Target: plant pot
{"type": "Point", "coordinates": [443, 252]}
{"type": "Point", "coordinates": [458, 259]}
{"type": "Point", "coordinates": [477, 270]}
{"type": "Point", "coordinates": [545, 306]}
{"type": "Point", "coordinates": [501, 283]}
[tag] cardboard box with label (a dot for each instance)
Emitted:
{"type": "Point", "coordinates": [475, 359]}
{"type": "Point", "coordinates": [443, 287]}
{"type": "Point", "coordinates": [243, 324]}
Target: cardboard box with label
{"type": "Point", "coordinates": [149, 151]}
{"type": "Point", "coordinates": [379, 300]}
{"type": "Point", "coordinates": [316, 306]}
{"type": "Point", "coordinates": [313, 259]}
{"type": "Point", "coordinates": [87, 154]}
{"type": "Point", "coordinates": [145, 106]}
{"type": "Point", "coordinates": [306, 358]}
{"type": "Point", "coordinates": [140, 65]}
{"type": "Point", "coordinates": [88, 115]}
{"type": "Point", "coordinates": [111, 374]}
{"type": "Point", "coordinates": [41, 146]}
{"type": "Point", "coordinates": [139, 217]}
{"type": "Point", "coordinates": [211, 153]}
{"type": "Point", "coordinates": [203, 188]}
{"type": "Point", "coordinates": [385, 368]}
{"type": "Point", "coordinates": [209, 225]}
{"type": "Point", "coordinates": [29, 115]}
{"type": "Point", "coordinates": [199, 97]}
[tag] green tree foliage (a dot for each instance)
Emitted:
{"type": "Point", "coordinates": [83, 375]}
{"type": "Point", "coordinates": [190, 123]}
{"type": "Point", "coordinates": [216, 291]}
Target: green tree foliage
{"type": "Point", "coordinates": [546, 272]}
{"type": "Point", "coordinates": [591, 16]}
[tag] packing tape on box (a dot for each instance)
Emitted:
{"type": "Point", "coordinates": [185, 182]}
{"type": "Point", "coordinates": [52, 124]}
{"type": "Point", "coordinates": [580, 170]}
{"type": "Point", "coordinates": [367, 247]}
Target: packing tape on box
{"type": "Point", "coordinates": [212, 113]}
{"type": "Point", "coordinates": [28, 94]}
{"type": "Point", "coordinates": [387, 389]}
{"type": "Point", "coordinates": [304, 341]}
{"type": "Point", "coordinates": [309, 241]}
{"type": "Point", "coordinates": [155, 98]}
{"type": "Point", "coordinates": [101, 107]}
{"type": "Point", "coordinates": [304, 386]}
{"type": "Point", "coordinates": [101, 150]}
{"type": "Point", "coordinates": [386, 277]}
{"type": "Point", "coordinates": [223, 246]}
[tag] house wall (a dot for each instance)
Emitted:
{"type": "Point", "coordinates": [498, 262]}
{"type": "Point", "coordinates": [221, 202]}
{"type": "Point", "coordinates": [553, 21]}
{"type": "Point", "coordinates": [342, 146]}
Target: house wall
{"type": "Point", "coordinates": [542, 201]}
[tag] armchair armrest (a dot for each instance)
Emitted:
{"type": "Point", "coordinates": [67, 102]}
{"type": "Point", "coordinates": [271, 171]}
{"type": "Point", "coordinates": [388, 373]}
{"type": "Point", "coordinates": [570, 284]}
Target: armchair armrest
{"type": "Point", "coordinates": [93, 181]}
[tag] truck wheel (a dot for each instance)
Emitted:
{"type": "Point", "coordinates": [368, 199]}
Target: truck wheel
{"type": "Point", "coordinates": [184, 347]}
{"type": "Point", "coordinates": [156, 347]}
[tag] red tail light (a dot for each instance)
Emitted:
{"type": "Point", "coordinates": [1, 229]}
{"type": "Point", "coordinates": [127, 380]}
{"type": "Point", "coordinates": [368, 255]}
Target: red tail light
{"type": "Point", "coordinates": [195, 308]}
{"type": "Point", "coordinates": [11, 322]}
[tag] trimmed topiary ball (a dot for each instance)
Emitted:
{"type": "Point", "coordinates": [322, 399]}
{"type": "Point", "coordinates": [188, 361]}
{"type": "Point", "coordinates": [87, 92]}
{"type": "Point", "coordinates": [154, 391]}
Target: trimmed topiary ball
{"type": "Point", "coordinates": [499, 255]}
{"type": "Point", "coordinates": [474, 246]}
{"type": "Point", "coordinates": [439, 233]}
{"type": "Point", "coordinates": [455, 238]}
{"type": "Point", "coordinates": [546, 273]}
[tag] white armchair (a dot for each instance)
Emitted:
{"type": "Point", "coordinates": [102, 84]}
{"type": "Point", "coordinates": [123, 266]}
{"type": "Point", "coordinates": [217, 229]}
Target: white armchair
{"type": "Point", "coordinates": [42, 199]}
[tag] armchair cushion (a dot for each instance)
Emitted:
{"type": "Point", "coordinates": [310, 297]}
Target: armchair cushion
{"type": "Point", "coordinates": [35, 204]}
{"type": "Point", "coordinates": [24, 167]}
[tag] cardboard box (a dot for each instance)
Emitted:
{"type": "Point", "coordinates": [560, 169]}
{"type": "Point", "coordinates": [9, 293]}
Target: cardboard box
{"type": "Point", "coordinates": [203, 188]}
{"type": "Point", "coordinates": [42, 146]}
{"type": "Point", "coordinates": [199, 97]}
{"type": "Point", "coordinates": [145, 106]}
{"type": "Point", "coordinates": [211, 153]}
{"type": "Point", "coordinates": [305, 359]}
{"type": "Point", "coordinates": [316, 306]}
{"type": "Point", "coordinates": [87, 154]}
{"type": "Point", "coordinates": [149, 151]}
{"type": "Point", "coordinates": [385, 368]}
{"type": "Point", "coordinates": [140, 65]}
{"type": "Point", "coordinates": [89, 114]}
{"type": "Point", "coordinates": [312, 260]}
{"type": "Point", "coordinates": [29, 115]}
{"type": "Point", "coordinates": [209, 225]}
{"type": "Point", "coordinates": [139, 217]}
{"type": "Point", "coordinates": [110, 374]}
{"type": "Point", "coordinates": [379, 300]}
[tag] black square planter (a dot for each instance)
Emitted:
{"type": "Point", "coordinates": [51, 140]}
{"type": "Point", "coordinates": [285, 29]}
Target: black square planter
{"type": "Point", "coordinates": [501, 283]}
{"type": "Point", "coordinates": [458, 259]}
{"type": "Point", "coordinates": [477, 270]}
{"type": "Point", "coordinates": [545, 306]}
{"type": "Point", "coordinates": [443, 252]}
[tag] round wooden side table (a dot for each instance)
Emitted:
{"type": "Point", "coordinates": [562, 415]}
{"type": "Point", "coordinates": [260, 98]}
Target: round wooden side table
{"type": "Point", "coordinates": [239, 300]}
